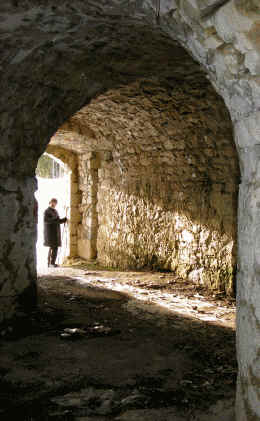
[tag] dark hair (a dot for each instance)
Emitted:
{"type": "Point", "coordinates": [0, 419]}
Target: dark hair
{"type": "Point", "coordinates": [53, 200]}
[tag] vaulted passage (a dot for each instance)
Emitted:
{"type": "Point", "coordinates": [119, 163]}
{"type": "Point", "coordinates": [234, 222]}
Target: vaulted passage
{"type": "Point", "coordinates": [156, 170]}
{"type": "Point", "coordinates": [158, 175]}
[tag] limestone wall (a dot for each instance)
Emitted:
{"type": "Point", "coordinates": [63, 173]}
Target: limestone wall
{"type": "Point", "coordinates": [57, 56]}
{"type": "Point", "coordinates": [165, 195]}
{"type": "Point", "coordinates": [87, 231]}
{"type": "Point", "coordinates": [18, 254]}
{"type": "Point", "coordinates": [150, 220]}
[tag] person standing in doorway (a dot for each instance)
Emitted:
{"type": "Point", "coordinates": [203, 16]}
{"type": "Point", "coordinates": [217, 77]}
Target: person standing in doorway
{"type": "Point", "coordinates": [52, 234]}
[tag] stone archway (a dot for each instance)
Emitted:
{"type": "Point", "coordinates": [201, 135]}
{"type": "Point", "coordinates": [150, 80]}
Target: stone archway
{"type": "Point", "coordinates": [70, 159]}
{"type": "Point", "coordinates": [42, 88]}
{"type": "Point", "coordinates": [159, 178]}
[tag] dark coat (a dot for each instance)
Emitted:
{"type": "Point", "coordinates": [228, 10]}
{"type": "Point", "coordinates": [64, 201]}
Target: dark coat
{"type": "Point", "coordinates": [52, 221]}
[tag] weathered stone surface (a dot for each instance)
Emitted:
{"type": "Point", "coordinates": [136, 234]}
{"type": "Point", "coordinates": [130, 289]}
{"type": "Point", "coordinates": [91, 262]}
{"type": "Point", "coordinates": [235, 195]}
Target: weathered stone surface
{"type": "Point", "coordinates": [87, 232]}
{"type": "Point", "coordinates": [58, 56]}
{"type": "Point", "coordinates": [17, 259]}
{"type": "Point", "coordinates": [171, 169]}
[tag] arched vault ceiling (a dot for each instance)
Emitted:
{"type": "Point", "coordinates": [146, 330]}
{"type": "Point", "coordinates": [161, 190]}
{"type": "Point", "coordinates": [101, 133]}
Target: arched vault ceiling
{"type": "Point", "coordinates": [164, 107]}
{"type": "Point", "coordinates": [57, 79]}
{"type": "Point", "coordinates": [56, 59]}
{"type": "Point", "coordinates": [169, 120]}
{"type": "Point", "coordinates": [155, 94]}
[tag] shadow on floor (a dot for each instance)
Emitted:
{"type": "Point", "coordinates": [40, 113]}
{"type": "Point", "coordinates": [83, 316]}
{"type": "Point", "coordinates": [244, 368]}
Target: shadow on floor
{"type": "Point", "coordinates": [119, 364]}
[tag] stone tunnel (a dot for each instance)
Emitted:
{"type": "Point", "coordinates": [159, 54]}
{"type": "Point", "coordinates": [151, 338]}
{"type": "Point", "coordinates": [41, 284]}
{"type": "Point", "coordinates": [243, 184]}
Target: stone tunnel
{"type": "Point", "coordinates": [155, 106]}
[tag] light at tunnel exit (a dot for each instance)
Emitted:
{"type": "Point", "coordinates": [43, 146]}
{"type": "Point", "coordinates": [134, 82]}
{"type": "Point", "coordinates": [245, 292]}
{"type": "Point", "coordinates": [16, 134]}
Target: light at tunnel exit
{"type": "Point", "coordinates": [47, 189]}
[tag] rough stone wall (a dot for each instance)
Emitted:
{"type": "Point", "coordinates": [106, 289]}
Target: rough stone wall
{"type": "Point", "coordinates": [150, 221]}
{"type": "Point", "coordinates": [41, 88]}
{"type": "Point", "coordinates": [248, 293]}
{"type": "Point", "coordinates": [87, 232]}
{"type": "Point", "coordinates": [224, 37]}
{"type": "Point", "coordinates": [165, 196]}
{"type": "Point", "coordinates": [18, 253]}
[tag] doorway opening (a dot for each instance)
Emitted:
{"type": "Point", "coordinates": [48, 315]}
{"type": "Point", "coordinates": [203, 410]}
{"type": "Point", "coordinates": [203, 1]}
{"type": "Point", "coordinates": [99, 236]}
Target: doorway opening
{"type": "Point", "coordinates": [53, 177]}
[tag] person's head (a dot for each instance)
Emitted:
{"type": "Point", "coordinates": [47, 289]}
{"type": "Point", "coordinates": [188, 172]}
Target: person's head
{"type": "Point", "coordinates": [53, 203]}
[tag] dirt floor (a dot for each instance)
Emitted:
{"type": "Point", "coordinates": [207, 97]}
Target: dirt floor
{"type": "Point", "coordinates": [126, 346]}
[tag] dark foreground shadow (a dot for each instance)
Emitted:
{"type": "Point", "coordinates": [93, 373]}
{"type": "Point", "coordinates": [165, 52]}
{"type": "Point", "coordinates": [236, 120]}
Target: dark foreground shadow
{"type": "Point", "coordinates": [119, 358]}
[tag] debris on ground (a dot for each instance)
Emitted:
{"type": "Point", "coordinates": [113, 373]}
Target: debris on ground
{"type": "Point", "coordinates": [95, 330]}
{"type": "Point", "coordinates": [146, 347]}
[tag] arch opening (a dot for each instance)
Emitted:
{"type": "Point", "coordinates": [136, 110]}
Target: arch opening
{"type": "Point", "coordinates": [61, 182]}
{"type": "Point", "coordinates": [147, 127]}
{"type": "Point", "coordinates": [150, 129]}
{"type": "Point", "coordinates": [48, 90]}
{"type": "Point", "coordinates": [53, 180]}
{"type": "Point", "coordinates": [158, 175]}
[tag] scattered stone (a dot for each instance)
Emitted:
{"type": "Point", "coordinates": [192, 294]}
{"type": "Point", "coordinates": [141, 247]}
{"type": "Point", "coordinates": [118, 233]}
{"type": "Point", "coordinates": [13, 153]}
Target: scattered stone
{"type": "Point", "coordinates": [72, 333]}
{"type": "Point", "coordinates": [89, 401]}
{"type": "Point", "coordinates": [65, 335]}
{"type": "Point", "coordinates": [99, 329]}
{"type": "Point", "coordinates": [96, 330]}
{"type": "Point", "coordinates": [133, 400]}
